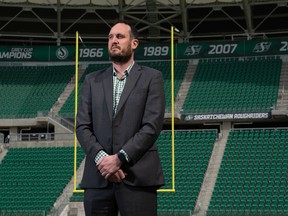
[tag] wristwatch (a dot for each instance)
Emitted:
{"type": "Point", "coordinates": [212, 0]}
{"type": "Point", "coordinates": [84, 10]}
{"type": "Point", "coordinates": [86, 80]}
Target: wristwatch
{"type": "Point", "coordinates": [122, 157]}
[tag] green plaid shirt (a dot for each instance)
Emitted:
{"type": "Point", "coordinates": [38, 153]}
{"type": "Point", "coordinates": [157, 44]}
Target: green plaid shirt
{"type": "Point", "coordinates": [118, 87]}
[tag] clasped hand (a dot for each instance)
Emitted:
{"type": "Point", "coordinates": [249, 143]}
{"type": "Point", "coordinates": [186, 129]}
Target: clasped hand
{"type": "Point", "coordinates": [109, 167]}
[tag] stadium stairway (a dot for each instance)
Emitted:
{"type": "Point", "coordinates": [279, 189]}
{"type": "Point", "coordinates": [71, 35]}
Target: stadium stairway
{"type": "Point", "coordinates": [62, 204]}
{"type": "Point", "coordinates": [211, 174]}
{"type": "Point", "coordinates": [3, 152]}
{"type": "Point", "coordinates": [185, 85]}
{"type": "Point", "coordinates": [67, 110]}
{"type": "Point", "coordinates": [66, 93]}
{"type": "Point", "coordinates": [282, 101]}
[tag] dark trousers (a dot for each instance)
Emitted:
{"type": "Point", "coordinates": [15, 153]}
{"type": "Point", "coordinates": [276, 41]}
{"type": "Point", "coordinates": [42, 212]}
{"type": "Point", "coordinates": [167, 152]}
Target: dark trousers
{"type": "Point", "coordinates": [128, 200]}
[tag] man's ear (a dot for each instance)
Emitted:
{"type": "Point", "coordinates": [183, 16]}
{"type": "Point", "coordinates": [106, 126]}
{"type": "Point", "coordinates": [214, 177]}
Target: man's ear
{"type": "Point", "coordinates": [135, 43]}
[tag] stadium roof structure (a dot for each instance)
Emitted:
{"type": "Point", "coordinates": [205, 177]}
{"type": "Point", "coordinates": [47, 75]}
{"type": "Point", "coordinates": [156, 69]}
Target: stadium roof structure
{"type": "Point", "coordinates": [56, 21]}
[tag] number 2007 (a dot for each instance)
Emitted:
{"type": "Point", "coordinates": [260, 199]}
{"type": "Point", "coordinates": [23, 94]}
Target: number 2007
{"type": "Point", "coordinates": [222, 49]}
{"type": "Point", "coordinates": [156, 51]}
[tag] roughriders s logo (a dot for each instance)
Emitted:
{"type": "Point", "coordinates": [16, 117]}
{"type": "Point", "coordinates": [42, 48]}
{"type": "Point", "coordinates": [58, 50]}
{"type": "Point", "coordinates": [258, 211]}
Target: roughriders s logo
{"type": "Point", "coordinates": [62, 53]}
{"type": "Point", "coordinates": [192, 50]}
{"type": "Point", "coordinates": [262, 47]}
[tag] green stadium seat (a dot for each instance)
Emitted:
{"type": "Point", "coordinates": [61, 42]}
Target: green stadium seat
{"type": "Point", "coordinates": [193, 171]}
{"type": "Point", "coordinates": [35, 187]}
{"type": "Point", "coordinates": [234, 86]}
{"type": "Point", "coordinates": [251, 174]}
{"type": "Point", "coordinates": [27, 90]}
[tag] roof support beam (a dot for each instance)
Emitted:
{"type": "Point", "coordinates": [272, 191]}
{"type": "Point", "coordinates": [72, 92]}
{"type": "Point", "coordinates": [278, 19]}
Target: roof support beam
{"type": "Point", "coordinates": [58, 23]}
{"type": "Point", "coordinates": [248, 16]}
{"type": "Point", "coordinates": [120, 8]}
{"type": "Point", "coordinates": [156, 25]}
{"type": "Point", "coordinates": [152, 17]}
{"type": "Point", "coordinates": [272, 11]}
{"type": "Point", "coordinates": [11, 20]}
{"type": "Point", "coordinates": [184, 19]}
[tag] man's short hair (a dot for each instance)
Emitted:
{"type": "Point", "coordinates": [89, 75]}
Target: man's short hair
{"type": "Point", "coordinates": [134, 31]}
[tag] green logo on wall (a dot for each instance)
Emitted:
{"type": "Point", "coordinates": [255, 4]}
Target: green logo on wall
{"type": "Point", "coordinates": [262, 47]}
{"type": "Point", "coordinates": [192, 50]}
{"type": "Point", "coordinates": [62, 53]}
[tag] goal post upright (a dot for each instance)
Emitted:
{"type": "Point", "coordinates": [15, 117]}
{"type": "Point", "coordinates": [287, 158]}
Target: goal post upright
{"type": "Point", "coordinates": [75, 113]}
{"type": "Point", "coordinates": [172, 190]}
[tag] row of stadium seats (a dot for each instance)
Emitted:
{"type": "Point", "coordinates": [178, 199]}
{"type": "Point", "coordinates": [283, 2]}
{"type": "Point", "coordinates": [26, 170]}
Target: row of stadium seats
{"type": "Point", "coordinates": [33, 178]}
{"type": "Point", "coordinates": [237, 85]}
{"type": "Point", "coordinates": [249, 85]}
{"type": "Point", "coordinates": [180, 68]}
{"type": "Point", "coordinates": [253, 174]}
{"type": "Point", "coordinates": [252, 179]}
{"type": "Point", "coordinates": [26, 90]}
{"type": "Point", "coordinates": [234, 86]}
{"type": "Point", "coordinates": [189, 170]}
{"type": "Point", "coordinates": [67, 109]}
{"type": "Point", "coordinates": [188, 176]}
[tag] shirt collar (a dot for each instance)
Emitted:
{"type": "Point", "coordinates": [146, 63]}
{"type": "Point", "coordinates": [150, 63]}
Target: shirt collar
{"type": "Point", "coordinates": [127, 71]}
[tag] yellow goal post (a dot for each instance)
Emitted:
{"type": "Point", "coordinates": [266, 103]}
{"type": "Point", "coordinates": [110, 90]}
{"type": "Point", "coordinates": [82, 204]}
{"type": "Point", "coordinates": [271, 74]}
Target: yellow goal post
{"type": "Point", "coordinates": [166, 190]}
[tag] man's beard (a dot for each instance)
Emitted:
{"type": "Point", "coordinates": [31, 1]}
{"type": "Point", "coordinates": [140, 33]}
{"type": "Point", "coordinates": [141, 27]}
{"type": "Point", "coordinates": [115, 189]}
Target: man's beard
{"type": "Point", "coordinates": [120, 58]}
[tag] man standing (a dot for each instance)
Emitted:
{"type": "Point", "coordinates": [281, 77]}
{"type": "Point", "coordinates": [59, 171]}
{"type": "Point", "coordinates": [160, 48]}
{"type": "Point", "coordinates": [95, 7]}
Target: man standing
{"type": "Point", "coordinates": [119, 119]}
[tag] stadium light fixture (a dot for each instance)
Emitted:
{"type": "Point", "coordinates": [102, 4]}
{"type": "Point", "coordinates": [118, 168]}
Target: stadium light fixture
{"type": "Point", "coordinates": [80, 38]}
{"type": "Point", "coordinates": [176, 30]}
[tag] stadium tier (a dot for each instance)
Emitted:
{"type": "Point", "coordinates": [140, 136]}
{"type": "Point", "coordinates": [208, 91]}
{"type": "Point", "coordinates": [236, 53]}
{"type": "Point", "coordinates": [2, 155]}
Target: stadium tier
{"type": "Point", "coordinates": [180, 68]}
{"type": "Point", "coordinates": [229, 90]}
{"type": "Point", "coordinates": [68, 108]}
{"type": "Point", "coordinates": [252, 179]}
{"type": "Point", "coordinates": [218, 86]}
{"type": "Point", "coordinates": [234, 85]}
{"type": "Point", "coordinates": [164, 66]}
{"type": "Point", "coordinates": [26, 90]}
{"type": "Point", "coordinates": [189, 170]}
{"type": "Point", "coordinates": [33, 178]}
